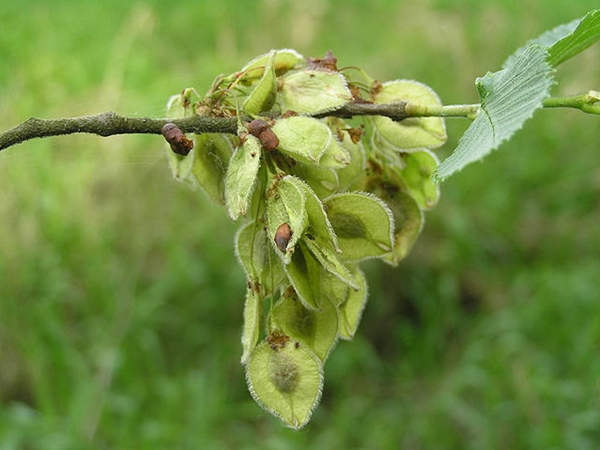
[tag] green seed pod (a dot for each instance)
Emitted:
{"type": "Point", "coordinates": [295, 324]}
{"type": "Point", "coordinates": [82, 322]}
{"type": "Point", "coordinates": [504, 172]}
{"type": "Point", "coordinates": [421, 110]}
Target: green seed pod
{"type": "Point", "coordinates": [303, 138]}
{"type": "Point", "coordinates": [363, 224]}
{"type": "Point", "coordinates": [284, 373]}
{"type": "Point", "coordinates": [211, 159]}
{"type": "Point", "coordinates": [250, 333]}
{"type": "Point", "coordinates": [316, 329]}
{"type": "Point", "coordinates": [286, 215]}
{"type": "Point", "coordinates": [408, 216]}
{"type": "Point", "coordinates": [262, 97]}
{"type": "Point", "coordinates": [418, 175]}
{"type": "Point", "coordinates": [314, 91]}
{"type": "Point", "coordinates": [257, 256]}
{"type": "Point", "coordinates": [286, 381]}
{"type": "Point", "coordinates": [284, 60]}
{"type": "Point", "coordinates": [411, 133]}
{"type": "Point", "coordinates": [241, 177]}
{"type": "Point", "coordinates": [350, 311]}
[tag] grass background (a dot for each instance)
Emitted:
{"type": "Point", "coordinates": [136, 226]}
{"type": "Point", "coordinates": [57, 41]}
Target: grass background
{"type": "Point", "coordinates": [120, 297]}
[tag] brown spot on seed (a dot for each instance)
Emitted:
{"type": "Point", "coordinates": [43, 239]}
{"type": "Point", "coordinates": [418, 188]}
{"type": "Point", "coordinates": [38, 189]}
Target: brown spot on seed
{"type": "Point", "coordinates": [283, 236]}
{"type": "Point", "coordinates": [277, 340]}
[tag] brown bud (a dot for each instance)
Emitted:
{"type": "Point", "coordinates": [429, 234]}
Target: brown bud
{"type": "Point", "coordinates": [328, 62]}
{"type": "Point", "coordinates": [179, 143]}
{"type": "Point", "coordinates": [261, 129]}
{"type": "Point", "coordinates": [283, 236]}
{"type": "Point", "coordinates": [269, 140]}
{"type": "Point", "coordinates": [257, 126]}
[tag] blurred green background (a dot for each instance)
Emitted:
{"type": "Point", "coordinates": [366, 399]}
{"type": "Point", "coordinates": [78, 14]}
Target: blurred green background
{"type": "Point", "coordinates": [120, 297]}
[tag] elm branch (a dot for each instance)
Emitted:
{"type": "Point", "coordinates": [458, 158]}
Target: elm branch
{"type": "Point", "coordinates": [110, 123]}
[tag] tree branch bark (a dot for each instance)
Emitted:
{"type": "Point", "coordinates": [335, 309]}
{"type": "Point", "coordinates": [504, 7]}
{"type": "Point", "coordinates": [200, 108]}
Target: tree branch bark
{"type": "Point", "coordinates": [110, 123]}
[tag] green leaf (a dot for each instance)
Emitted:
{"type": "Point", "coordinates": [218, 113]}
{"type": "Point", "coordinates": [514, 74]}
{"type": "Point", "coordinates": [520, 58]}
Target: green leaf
{"type": "Point", "coordinates": [411, 133]}
{"type": "Point", "coordinates": [350, 311]}
{"type": "Point", "coordinates": [362, 223]}
{"type": "Point", "coordinates": [286, 380]}
{"type": "Point", "coordinates": [417, 173]}
{"type": "Point", "coordinates": [545, 40]}
{"type": "Point", "coordinates": [303, 138]}
{"type": "Point", "coordinates": [251, 331]}
{"type": "Point", "coordinates": [586, 34]}
{"type": "Point", "coordinates": [314, 91]}
{"type": "Point", "coordinates": [241, 177]}
{"type": "Point", "coordinates": [316, 329]}
{"type": "Point", "coordinates": [509, 98]}
{"type": "Point", "coordinates": [211, 155]}
{"type": "Point", "coordinates": [262, 98]}
{"type": "Point", "coordinates": [256, 255]}
{"type": "Point", "coordinates": [565, 41]}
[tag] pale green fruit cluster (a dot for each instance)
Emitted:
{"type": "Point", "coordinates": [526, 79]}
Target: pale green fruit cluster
{"type": "Point", "coordinates": [315, 197]}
